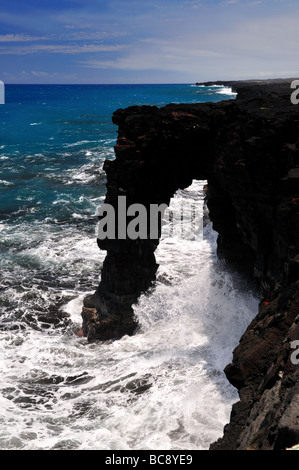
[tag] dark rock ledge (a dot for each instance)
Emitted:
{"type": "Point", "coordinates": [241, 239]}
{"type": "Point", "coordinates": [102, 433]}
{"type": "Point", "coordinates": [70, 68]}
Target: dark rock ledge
{"type": "Point", "coordinates": [248, 150]}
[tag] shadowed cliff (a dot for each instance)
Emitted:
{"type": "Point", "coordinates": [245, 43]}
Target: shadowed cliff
{"type": "Point", "coordinates": [248, 150]}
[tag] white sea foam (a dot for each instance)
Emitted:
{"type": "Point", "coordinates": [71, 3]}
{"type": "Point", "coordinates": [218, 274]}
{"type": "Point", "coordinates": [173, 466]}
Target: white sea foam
{"type": "Point", "coordinates": [226, 91]}
{"type": "Point", "coordinates": [163, 388]}
{"type": "Point", "coordinates": [79, 143]}
{"type": "Point", "coordinates": [86, 174]}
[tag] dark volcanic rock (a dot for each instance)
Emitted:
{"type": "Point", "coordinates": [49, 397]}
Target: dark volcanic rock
{"type": "Point", "coordinates": [248, 150]}
{"type": "Point", "coordinates": [147, 170]}
{"type": "Point", "coordinates": [266, 378]}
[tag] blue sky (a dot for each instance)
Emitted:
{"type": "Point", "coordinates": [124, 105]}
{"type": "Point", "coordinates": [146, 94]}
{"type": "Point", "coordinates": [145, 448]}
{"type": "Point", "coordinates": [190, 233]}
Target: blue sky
{"type": "Point", "coordinates": [142, 41]}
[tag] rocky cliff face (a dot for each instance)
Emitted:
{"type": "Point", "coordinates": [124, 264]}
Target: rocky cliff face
{"type": "Point", "coordinates": [248, 150]}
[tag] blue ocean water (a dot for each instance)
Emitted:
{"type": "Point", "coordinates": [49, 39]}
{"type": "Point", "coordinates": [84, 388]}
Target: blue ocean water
{"type": "Point", "coordinates": [53, 142]}
{"type": "Point", "coordinates": [56, 390]}
{"type": "Point", "coordinates": [53, 137]}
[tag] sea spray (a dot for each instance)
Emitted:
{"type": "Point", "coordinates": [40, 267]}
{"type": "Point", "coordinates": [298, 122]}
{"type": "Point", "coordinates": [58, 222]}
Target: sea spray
{"type": "Point", "coordinates": [164, 387]}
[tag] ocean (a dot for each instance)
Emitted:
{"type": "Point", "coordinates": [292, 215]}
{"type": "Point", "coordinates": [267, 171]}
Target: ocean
{"type": "Point", "coordinates": [164, 387]}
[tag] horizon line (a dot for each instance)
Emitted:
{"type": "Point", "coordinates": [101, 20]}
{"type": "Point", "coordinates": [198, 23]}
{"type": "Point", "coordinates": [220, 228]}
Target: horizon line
{"type": "Point", "coordinates": [106, 84]}
{"type": "Point", "coordinates": [154, 83]}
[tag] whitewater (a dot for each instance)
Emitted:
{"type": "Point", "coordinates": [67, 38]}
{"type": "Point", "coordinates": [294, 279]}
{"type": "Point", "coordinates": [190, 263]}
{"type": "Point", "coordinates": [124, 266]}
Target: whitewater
{"type": "Point", "coordinates": [162, 388]}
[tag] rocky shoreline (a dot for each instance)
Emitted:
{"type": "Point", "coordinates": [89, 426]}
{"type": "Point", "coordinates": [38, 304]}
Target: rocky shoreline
{"type": "Point", "coordinates": [248, 150]}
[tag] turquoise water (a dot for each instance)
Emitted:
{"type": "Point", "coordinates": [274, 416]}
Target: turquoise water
{"type": "Point", "coordinates": [163, 388]}
{"type": "Point", "coordinates": [53, 138]}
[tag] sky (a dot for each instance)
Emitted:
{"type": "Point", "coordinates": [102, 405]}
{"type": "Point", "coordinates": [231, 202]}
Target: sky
{"type": "Point", "coordinates": [142, 41]}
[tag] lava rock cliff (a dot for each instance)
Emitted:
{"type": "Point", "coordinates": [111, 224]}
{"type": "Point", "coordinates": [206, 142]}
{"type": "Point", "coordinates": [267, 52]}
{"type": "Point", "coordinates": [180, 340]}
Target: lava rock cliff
{"type": "Point", "coordinates": [248, 150]}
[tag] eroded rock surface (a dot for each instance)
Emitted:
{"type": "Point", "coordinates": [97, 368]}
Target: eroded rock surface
{"type": "Point", "coordinates": [248, 150]}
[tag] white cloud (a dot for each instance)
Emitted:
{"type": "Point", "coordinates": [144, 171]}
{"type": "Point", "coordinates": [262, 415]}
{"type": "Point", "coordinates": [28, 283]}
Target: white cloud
{"type": "Point", "coordinates": [244, 3]}
{"type": "Point", "coordinates": [61, 49]}
{"type": "Point", "coordinates": [267, 38]}
{"type": "Point", "coordinates": [160, 56]}
{"type": "Point", "coordinates": [249, 49]}
{"type": "Point", "coordinates": [39, 73]}
{"type": "Point", "coordinates": [19, 38]}
{"type": "Point", "coordinates": [194, 4]}
{"type": "Point", "coordinates": [189, 38]}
